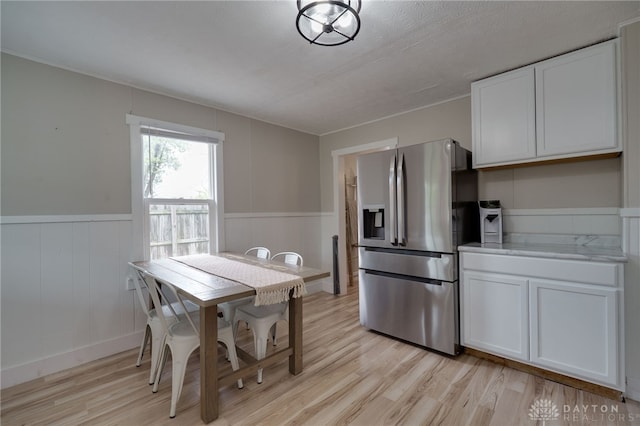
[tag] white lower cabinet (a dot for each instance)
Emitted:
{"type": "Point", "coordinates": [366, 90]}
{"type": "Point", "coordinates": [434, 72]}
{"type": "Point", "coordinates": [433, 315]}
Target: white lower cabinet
{"type": "Point", "coordinates": [563, 316]}
{"type": "Point", "coordinates": [496, 317]}
{"type": "Point", "coordinates": [574, 328]}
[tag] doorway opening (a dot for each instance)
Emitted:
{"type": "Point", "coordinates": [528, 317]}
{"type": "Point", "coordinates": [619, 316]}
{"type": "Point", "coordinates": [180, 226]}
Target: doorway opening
{"type": "Point", "coordinates": [345, 203]}
{"type": "Point", "coordinates": [350, 243]}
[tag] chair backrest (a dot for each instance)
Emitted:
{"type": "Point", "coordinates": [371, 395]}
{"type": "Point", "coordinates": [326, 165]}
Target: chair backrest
{"type": "Point", "coordinates": [157, 295]}
{"type": "Point", "coordinates": [143, 300]}
{"type": "Point", "coordinates": [142, 278]}
{"type": "Point", "coordinates": [261, 252]}
{"type": "Point", "coordinates": [176, 296]}
{"type": "Point", "coordinates": [290, 257]}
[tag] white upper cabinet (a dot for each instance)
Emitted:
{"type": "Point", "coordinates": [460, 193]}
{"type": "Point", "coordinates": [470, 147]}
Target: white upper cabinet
{"type": "Point", "coordinates": [504, 117]}
{"type": "Point", "coordinates": [576, 102]}
{"type": "Point", "coordinates": [559, 108]}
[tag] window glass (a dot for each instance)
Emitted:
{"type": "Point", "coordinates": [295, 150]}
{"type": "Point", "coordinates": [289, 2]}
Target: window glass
{"type": "Point", "coordinates": [177, 173]}
{"type": "Point", "coordinates": [175, 168]}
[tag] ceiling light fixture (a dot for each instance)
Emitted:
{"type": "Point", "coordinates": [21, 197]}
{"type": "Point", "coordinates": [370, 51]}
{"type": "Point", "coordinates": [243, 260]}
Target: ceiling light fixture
{"type": "Point", "coordinates": [328, 22]}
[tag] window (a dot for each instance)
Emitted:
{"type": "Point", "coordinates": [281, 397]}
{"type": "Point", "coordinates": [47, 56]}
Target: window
{"type": "Point", "coordinates": [176, 188]}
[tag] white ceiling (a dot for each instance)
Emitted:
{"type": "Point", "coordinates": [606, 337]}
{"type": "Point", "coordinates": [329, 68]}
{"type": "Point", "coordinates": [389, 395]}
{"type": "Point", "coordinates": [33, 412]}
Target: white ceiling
{"type": "Point", "coordinates": [248, 58]}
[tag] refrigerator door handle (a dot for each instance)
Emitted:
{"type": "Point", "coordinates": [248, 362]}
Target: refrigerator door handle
{"type": "Point", "coordinates": [402, 234]}
{"type": "Point", "coordinates": [393, 225]}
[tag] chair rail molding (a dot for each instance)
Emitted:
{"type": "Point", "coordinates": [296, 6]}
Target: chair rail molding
{"type": "Point", "coordinates": [65, 218]}
{"type": "Point", "coordinates": [254, 215]}
{"type": "Point", "coordinates": [630, 212]}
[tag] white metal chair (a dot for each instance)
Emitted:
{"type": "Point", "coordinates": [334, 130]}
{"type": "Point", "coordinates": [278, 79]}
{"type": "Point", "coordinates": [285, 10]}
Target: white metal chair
{"type": "Point", "coordinates": [154, 332]}
{"type": "Point", "coordinates": [289, 257]}
{"type": "Point", "coordinates": [182, 337]}
{"type": "Point", "coordinates": [229, 308]}
{"type": "Point", "coordinates": [260, 252]}
{"type": "Point", "coordinates": [263, 319]}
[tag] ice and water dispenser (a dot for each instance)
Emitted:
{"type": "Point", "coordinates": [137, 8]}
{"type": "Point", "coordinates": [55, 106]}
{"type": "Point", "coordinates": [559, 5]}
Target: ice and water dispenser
{"type": "Point", "coordinates": [373, 222]}
{"type": "Point", "coordinates": [490, 222]}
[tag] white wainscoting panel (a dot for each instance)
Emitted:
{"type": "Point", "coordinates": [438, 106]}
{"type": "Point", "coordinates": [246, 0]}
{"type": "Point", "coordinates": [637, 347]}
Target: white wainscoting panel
{"type": "Point", "coordinates": [57, 300]}
{"type": "Point", "coordinates": [64, 300]}
{"type": "Point", "coordinates": [299, 232]}
{"type": "Point", "coordinates": [21, 294]}
{"type": "Point", "coordinates": [631, 247]}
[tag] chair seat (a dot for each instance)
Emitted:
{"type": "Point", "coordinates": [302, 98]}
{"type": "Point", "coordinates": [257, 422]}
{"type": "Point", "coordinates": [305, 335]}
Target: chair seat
{"type": "Point", "coordinates": [192, 308]}
{"type": "Point", "coordinates": [229, 308]}
{"type": "Point", "coordinates": [183, 329]}
{"type": "Point", "coordinates": [263, 311]}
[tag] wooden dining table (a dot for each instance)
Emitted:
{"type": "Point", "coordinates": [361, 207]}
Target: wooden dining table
{"type": "Point", "coordinates": [207, 291]}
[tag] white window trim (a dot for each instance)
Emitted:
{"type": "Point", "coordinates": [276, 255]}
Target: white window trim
{"type": "Point", "coordinates": [140, 245]}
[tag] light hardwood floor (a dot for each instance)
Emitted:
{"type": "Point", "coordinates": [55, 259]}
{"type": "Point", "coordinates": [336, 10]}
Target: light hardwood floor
{"type": "Point", "coordinates": [351, 376]}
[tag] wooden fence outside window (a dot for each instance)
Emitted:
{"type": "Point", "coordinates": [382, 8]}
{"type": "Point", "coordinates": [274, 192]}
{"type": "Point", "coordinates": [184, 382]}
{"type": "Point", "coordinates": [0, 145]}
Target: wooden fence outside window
{"type": "Point", "coordinates": [178, 230]}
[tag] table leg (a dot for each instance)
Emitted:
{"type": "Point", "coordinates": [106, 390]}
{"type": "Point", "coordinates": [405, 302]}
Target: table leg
{"type": "Point", "coordinates": [295, 335]}
{"type": "Point", "coordinates": [209, 363]}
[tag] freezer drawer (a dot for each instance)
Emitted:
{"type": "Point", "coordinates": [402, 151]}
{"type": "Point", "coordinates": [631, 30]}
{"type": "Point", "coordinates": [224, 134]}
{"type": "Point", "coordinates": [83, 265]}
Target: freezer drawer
{"type": "Point", "coordinates": [438, 266]}
{"type": "Point", "coordinates": [419, 312]}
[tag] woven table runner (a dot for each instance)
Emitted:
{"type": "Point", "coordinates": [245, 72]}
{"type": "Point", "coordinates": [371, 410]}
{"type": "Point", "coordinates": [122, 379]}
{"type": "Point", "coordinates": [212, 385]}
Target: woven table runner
{"type": "Point", "coordinates": [271, 286]}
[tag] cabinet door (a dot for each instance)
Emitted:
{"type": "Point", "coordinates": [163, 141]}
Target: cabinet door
{"type": "Point", "coordinates": [574, 329]}
{"type": "Point", "coordinates": [495, 314]}
{"type": "Point", "coordinates": [503, 118]}
{"type": "Point", "coordinates": [576, 102]}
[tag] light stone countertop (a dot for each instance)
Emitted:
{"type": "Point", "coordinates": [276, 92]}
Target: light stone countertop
{"type": "Point", "coordinates": [550, 251]}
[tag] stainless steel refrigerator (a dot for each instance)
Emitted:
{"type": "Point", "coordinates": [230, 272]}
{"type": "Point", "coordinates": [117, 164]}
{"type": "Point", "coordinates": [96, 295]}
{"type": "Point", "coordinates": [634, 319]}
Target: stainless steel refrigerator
{"type": "Point", "coordinates": [416, 204]}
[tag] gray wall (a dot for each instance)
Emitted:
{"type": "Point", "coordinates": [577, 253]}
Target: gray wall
{"type": "Point", "coordinates": [65, 147]}
{"type": "Point", "coordinates": [582, 184]}
{"type": "Point", "coordinates": [595, 183]}
{"type": "Point", "coordinates": [447, 120]}
{"type": "Point", "coordinates": [630, 48]}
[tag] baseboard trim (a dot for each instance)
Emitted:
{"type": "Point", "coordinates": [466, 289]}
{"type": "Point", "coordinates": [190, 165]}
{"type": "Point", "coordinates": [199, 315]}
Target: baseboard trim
{"type": "Point", "coordinates": [12, 376]}
{"type": "Point", "coordinates": [549, 375]}
{"type": "Point", "coordinates": [315, 286]}
{"type": "Point", "coordinates": [633, 389]}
